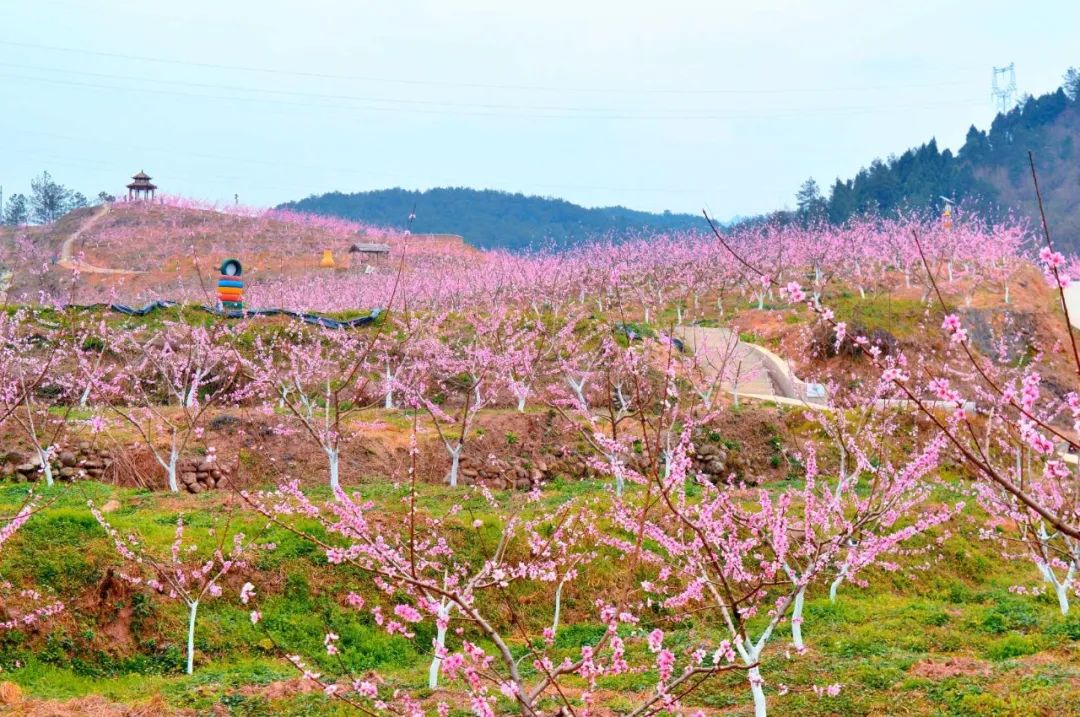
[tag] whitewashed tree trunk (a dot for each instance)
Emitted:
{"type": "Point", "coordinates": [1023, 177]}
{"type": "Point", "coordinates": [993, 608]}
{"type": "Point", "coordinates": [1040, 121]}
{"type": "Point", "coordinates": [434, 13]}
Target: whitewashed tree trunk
{"type": "Point", "coordinates": [706, 398]}
{"type": "Point", "coordinates": [835, 585]}
{"type": "Point", "coordinates": [192, 610]}
{"type": "Point", "coordinates": [332, 457]}
{"type": "Point", "coordinates": [558, 605]}
{"type": "Point", "coordinates": [440, 645]}
{"type": "Point", "coordinates": [46, 467]}
{"type": "Point", "coordinates": [578, 387]}
{"type": "Point", "coordinates": [455, 460]}
{"type": "Point", "coordinates": [174, 459]}
{"type": "Point", "coordinates": [388, 403]}
{"type": "Point", "coordinates": [757, 689]}
{"type": "Point", "coordinates": [1063, 597]}
{"type": "Point", "coordinates": [618, 474]}
{"type": "Point", "coordinates": [1061, 587]}
{"type": "Point", "coordinates": [170, 465]}
{"type": "Point", "coordinates": [796, 620]}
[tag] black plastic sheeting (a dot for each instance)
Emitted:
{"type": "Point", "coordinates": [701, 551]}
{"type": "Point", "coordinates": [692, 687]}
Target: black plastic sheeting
{"type": "Point", "coordinates": [308, 318]}
{"type": "Point", "coordinates": [632, 334]}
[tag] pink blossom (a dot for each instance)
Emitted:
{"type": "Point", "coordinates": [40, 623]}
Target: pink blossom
{"type": "Point", "coordinates": [656, 640]}
{"type": "Point", "coordinates": [793, 292]}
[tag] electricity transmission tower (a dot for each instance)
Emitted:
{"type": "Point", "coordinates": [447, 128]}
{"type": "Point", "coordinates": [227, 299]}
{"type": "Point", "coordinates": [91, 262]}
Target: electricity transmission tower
{"type": "Point", "coordinates": [1003, 88]}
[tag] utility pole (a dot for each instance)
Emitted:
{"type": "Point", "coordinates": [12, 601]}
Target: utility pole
{"type": "Point", "coordinates": [1004, 91]}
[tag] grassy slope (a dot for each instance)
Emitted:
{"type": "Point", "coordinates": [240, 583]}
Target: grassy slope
{"type": "Point", "coordinates": [1017, 656]}
{"type": "Point", "coordinates": [1007, 654]}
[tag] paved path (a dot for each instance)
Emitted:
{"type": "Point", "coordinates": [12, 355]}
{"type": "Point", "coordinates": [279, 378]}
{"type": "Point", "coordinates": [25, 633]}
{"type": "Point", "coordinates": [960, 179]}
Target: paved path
{"type": "Point", "coordinates": [75, 265]}
{"type": "Point", "coordinates": [720, 350]}
{"type": "Point", "coordinates": [751, 369]}
{"type": "Point", "coordinates": [1072, 302]}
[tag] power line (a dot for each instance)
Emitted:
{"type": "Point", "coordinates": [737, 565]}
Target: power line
{"type": "Point", "coordinates": [478, 85]}
{"type": "Point", "coordinates": [312, 95]}
{"type": "Point", "coordinates": [523, 115]}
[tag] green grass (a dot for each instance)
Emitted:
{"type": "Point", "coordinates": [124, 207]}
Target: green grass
{"type": "Point", "coordinates": [875, 641]}
{"type": "Point", "coordinates": [900, 317]}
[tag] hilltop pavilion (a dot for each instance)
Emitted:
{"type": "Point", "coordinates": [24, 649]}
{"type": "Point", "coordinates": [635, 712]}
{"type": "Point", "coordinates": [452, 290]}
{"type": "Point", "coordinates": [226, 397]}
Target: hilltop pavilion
{"type": "Point", "coordinates": [141, 188]}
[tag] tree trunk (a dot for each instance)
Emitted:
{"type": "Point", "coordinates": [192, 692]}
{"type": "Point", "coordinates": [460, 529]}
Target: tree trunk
{"type": "Point", "coordinates": [388, 404]}
{"type": "Point", "coordinates": [578, 387]}
{"type": "Point", "coordinates": [619, 484]}
{"type": "Point", "coordinates": [1061, 587]}
{"type": "Point", "coordinates": [836, 584]}
{"type": "Point", "coordinates": [170, 469]}
{"type": "Point", "coordinates": [332, 457]}
{"type": "Point", "coordinates": [455, 460]}
{"type": "Point", "coordinates": [1062, 591]}
{"type": "Point", "coordinates": [193, 608]}
{"type": "Point", "coordinates": [796, 620]}
{"type": "Point", "coordinates": [757, 689]}
{"type": "Point", "coordinates": [440, 644]}
{"type": "Point", "coordinates": [47, 468]}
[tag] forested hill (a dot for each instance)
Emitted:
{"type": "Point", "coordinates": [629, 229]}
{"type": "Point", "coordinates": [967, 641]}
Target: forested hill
{"type": "Point", "coordinates": [489, 219]}
{"type": "Point", "coordinates": [990, 170]}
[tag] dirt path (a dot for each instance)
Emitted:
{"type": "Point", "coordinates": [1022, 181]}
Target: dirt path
{"type": "Point", "coordinates": [6, 276]}
{"type": "Point", "coordinates": [65, 250]}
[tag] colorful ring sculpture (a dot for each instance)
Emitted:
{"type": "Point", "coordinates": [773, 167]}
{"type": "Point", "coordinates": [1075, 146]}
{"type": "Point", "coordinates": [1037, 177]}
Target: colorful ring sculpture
{"type": "Point", "coordinates": [230, 286]}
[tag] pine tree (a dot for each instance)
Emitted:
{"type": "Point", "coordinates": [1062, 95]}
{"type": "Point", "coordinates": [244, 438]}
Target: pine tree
{"type": "Point", "coordinates": [48, 199]}
{"type": "Point", "coordinates": [1072, 84]}
{"type": "Point", "coordinates": [17, 211]}
{"type": "Point", "coordinates": [809, 200]}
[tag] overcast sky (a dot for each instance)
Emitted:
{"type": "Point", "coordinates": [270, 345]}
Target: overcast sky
{"type": "Point", "coordinates": [653, 105]}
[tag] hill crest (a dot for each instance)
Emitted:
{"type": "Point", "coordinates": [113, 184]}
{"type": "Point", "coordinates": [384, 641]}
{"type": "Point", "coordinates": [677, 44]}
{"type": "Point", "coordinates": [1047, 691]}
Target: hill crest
{"type": "Point", "coordinates": [489, 218]}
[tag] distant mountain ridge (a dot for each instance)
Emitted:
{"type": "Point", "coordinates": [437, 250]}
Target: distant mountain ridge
{"type": "Point", "coordinates": [493, 219]}
{"type": "Point", "coordinates": [990, 172]}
